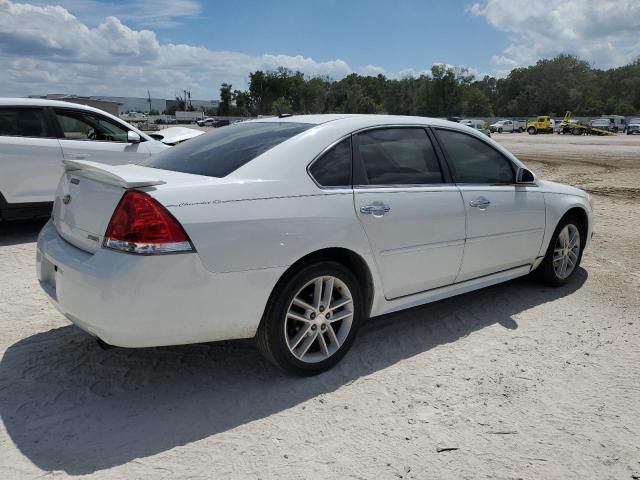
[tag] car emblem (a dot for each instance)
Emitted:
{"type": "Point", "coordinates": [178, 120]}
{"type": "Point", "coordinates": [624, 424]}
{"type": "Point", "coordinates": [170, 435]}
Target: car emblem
{"type": "Point", "coordinates": [66, 199]}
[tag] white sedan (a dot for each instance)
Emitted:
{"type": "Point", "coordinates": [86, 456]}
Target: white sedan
{"type": "Point", "coordinates": [295, 230]}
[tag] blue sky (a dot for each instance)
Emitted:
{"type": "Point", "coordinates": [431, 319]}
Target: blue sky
{"type": "Point", "coordinates": [109, 47]}
{"type": "Point", "coordinates": [393, 34]}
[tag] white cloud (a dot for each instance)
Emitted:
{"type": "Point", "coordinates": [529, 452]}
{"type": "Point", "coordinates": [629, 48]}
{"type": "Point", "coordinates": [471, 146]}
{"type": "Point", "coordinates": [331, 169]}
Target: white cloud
{"type": "Point", "coordinates": [604, 32]}
{"type": "Point", "coordinates": [46, 49]}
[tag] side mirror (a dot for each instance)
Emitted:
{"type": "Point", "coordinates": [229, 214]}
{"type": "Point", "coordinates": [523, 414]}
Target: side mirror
{"type": "Point", "coordinates": [133, 137]}
{"type": "Point", "coordinates": [524, 176]}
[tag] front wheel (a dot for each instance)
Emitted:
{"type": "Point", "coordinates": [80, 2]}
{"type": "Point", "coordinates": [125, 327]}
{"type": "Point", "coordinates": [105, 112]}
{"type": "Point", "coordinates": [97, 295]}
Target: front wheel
{"type": "Point", "coordinates": [500, 130]}
{"type": "Point", "coordinates": [563, 254]}
{"type": "Point", "coordinates": [312, 319]}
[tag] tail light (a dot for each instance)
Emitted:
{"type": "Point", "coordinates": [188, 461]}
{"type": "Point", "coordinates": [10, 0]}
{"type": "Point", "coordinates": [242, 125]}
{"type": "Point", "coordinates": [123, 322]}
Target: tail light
{"type": "Point", "coordinates": [142, 225]}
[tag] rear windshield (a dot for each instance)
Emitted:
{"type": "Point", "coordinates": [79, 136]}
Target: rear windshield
{"type": "Point", "coordinates": [224, 150]}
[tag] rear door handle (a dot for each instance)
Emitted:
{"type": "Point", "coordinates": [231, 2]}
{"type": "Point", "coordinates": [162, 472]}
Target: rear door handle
{"type": "Point", "coordinates": [480, 202]}
{"type": "Point", "coordinates": [377, 209]}
{"type": "Point", "coordinates": [78, 156]}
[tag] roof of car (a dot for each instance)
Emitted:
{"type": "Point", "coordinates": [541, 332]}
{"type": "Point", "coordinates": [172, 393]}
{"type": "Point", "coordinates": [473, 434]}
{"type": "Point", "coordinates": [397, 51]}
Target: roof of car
{"type": "Point", "coordinates": [44, 102]}
{"type": "Point", "coordinates": [361, 120]}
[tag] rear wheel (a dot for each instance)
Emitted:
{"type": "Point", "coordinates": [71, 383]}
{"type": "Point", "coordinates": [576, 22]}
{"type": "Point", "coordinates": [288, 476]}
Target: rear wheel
{"type": "Point", "coordinates": [564, 253]}
{"type": "Point", "coordinates": [312, 319]}
{"type": "Point", "coordinates": [500, 130]}
{"type": "Point", "coordinates": [531, 130]}
{"type": "Point", "coordinates": [520, 130]}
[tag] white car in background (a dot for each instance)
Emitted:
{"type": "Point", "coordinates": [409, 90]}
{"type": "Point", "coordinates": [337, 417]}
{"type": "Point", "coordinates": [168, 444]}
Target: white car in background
{"type": "Point", "coordinates": [36, 135]}
{"type": "Point", "coordinates": [175, 135]}
{"type": "Point", "coordinates": [295, 230]}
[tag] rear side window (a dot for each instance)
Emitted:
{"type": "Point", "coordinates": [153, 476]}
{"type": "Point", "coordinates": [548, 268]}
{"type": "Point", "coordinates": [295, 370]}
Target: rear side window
{"type": "Point", "coordinates": [473, 161]}
{"type": "Point", "coordinates": [333, 169]}
{"type": "Point", "coordinates": [399, 156]}
{"type": "Point", "coordinates": [224, 150]}
{"type": "Point", "coordinates": [22, 122]}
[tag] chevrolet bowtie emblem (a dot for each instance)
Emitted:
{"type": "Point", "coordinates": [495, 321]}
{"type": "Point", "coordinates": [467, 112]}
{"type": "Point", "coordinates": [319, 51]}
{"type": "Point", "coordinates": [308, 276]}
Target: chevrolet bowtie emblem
{"type": "Point", "coordinates": [66, 199]}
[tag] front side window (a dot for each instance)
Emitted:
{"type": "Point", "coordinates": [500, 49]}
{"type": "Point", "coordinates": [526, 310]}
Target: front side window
{"type": "Point", "coordinates": [333, 169]}
{"type": "Point", "coordinates": [399, 156]}
{"type": "Point", "coordinates": [87, 126]}
{"type": "Point", "coordinates": [22, 122]}
{"type": "Point", "coordinates": [224, 150]}
{"type": "Point", "coordinates": [473, 161]}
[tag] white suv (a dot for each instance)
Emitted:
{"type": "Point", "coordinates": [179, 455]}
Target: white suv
{"type": "Point", "coordinates": [36, 135]}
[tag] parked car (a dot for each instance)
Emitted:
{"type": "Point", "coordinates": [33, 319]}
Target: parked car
{"type": "Point", "coordinates": [479, 125]}
{"type": "Point", "coordinates": [602, 124]}
{"type": "Point", "coordinates": [206, 122]}
{"type": "Point", "coordinates": [213, 122]}
{"type": "Point", "coordinates": [296, 230]}
{"type": "Point", "coordinates": [510, 126]}
{"type": "Point", "coordinates": [36, 135]}
{"type": "Point", "coordinates": [616, 122]}
{"type": "Point", "coordinates": [175, 135]}
{"type": "Point", "coordinates": [633, 126]}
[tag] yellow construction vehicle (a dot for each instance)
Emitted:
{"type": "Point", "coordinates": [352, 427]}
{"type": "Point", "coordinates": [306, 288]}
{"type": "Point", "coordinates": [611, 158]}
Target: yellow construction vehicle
{"type": "Point", "coordinates": [543, 124]}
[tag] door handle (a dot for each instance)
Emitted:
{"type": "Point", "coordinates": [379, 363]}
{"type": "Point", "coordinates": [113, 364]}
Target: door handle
{"type": "Point", "coordinates": [78, 156]}
{"type": "Point", "coordinates": [377, 209]}
{"type": "Point", "coordinates": [480, 202]}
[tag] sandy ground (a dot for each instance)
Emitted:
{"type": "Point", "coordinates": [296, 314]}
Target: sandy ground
{"type": "Point", "coordinates": [517, 380]}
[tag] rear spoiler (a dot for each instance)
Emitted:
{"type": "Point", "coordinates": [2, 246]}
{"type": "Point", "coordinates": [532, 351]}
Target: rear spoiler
{"type": "Point", "coordinates": [126, 176]}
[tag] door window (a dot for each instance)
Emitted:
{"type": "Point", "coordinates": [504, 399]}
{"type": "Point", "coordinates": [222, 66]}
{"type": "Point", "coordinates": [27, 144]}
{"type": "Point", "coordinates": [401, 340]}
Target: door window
{"type": "Point", "coordinates": [333, 169]}
{"type": "Point", "coordinates": [398, 156]}
{"type": "Point", "coordinates": [22, 122]}
{"type": "Point", "coordinates": [473, 161]}
{"type": "Point", "coordinates": [87, 126]}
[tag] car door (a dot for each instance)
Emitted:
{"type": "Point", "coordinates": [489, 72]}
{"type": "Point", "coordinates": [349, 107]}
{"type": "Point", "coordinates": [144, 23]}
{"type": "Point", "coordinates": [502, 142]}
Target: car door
{"type": "Point", "coordinates": [90, 136]}
{"type": "Point", "coordinates": [30, 156]}
{"type": "Point", "coordinates": [505, 221]}
{"type": "Point", "coordinates": [412, 214]}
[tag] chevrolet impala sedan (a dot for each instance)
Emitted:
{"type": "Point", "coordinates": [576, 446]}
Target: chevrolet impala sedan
{"type": "Point", "coordinates": [294, 231]}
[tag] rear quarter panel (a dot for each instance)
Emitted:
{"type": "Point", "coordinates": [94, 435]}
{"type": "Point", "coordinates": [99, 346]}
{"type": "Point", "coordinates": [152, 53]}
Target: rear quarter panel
{"type": "Point", "coordinates": [249, 234]}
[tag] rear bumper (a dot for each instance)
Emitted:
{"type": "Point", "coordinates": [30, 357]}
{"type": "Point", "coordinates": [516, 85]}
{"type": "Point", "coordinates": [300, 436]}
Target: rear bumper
{"type": "Point", "coordinates": [143, 301]}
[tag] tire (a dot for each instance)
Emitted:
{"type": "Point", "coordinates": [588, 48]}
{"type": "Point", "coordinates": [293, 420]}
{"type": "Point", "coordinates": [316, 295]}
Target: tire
{"type": "Point", "coordinates": [552, 275]}
{"type": "Point", "coordinates": [500, 130]}
{"type": "Point", "coordinates": [576, 131]}
{"type": "Point", "coordinates": [531, 130]}
{"type": "Point", "coordinates": [520, 130]}
{"type": "Point", "coordinates": [306, 341]}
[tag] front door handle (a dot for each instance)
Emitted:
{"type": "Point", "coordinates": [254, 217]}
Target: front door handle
{"type": "Point", "coordinates": [377, 209]}
{"type": "Point", "coordinates": [480, 202]}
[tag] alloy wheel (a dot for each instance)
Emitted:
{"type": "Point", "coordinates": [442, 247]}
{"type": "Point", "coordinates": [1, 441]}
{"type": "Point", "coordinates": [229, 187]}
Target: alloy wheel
{"type": "Point", "coordinates": [566, 251]}
{"type": "Point", "coordinates": [319, 319]}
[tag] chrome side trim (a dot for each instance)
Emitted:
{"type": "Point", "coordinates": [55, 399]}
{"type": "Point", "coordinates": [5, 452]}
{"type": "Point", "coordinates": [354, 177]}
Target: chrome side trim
{"type": "Point", "coordinates": [419, 248]}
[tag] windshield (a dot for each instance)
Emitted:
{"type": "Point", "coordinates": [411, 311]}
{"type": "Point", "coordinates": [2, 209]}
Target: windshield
{"type": "Point", "coordinates": [224, 150]}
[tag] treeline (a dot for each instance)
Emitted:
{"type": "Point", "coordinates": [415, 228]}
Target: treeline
{"type": "Point", "coordinates": [550, 87]}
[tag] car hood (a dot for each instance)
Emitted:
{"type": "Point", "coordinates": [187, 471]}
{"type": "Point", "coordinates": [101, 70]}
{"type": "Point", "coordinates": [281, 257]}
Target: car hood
{"type": "Point", "coordinates": [554, 187]}
{"type": "Point", "coordinates": [173, 135]}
